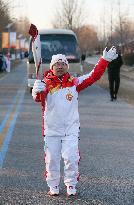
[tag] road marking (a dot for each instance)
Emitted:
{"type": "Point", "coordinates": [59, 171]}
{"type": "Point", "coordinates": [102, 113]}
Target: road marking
{"type": "Point", "coordinates": [14, 102]}
{"type": "Point", "coordinates": [7, 121]}
{"type": "Point", "coordinates": [8, 114]}
{"type": "Point", "coordinates": [8, 124]}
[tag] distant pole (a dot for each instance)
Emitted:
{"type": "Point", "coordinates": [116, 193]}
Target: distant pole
{"type": "Point", "coordinates": [8, 27]}
{"type": "Point", "coordinates": [9, 41]}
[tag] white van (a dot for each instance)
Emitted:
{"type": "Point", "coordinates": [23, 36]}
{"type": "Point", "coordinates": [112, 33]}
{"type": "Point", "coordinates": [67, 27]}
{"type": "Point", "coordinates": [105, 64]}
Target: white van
{"type": "Point", "coordinates": [55, 41]}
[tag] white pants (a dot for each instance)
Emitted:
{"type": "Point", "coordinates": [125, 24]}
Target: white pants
{"type": "Point", "coordinates": [67, 148]}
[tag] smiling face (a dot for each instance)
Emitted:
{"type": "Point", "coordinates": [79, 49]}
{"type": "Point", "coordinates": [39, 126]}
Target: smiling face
{"type": "Point", "coordinates": [59, 68]}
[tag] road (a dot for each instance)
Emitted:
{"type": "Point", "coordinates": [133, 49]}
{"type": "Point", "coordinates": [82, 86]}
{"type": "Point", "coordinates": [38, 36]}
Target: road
{"type": "Point", "coordinates": [106, 147]}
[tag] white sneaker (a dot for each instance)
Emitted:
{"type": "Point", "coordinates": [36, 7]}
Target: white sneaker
{"type": "Point", "coordinates": [54, 191]}
{"type": "Point", "coordinates": [71, 191]}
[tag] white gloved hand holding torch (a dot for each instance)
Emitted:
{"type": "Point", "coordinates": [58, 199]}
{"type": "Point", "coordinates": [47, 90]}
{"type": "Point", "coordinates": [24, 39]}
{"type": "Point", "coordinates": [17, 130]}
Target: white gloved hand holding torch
{"type": "Point", "coordinates": [38, 87]}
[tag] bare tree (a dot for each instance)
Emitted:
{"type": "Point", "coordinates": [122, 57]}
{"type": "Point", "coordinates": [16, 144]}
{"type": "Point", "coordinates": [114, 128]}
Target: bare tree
{"type": "Point", "coordinates": [70, 15]}
{"type": "Point", "coordinates": [126, 37]}
{"type": "Point", "coordinates": [111, 22]}
{"type": "Point", "coordinates": [118, 24]}
{"type": "Point", "coordinates": [103, 33]}
{"type": "Point", "coordinates": [122, 29]}
{"type": "Point", "coordinates": [4, 15]}
{"type": "Point", "coordinates": [4, 18]}
{"type": "Point", "coordinates": [22, 26]}
{"type": "Point", "coordinates": [87, 37]}
{"type": "Point", "coordinates": [121, 22]}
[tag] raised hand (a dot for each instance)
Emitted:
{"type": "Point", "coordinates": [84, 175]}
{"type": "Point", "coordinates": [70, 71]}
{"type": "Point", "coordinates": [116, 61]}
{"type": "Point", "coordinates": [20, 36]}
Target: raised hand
{"type": "Point", "coordinates": [110, 55]}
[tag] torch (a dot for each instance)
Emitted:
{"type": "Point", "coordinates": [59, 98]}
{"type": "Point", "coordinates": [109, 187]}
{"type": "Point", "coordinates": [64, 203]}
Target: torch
{"type": "Point", "coordinates": [36, 49]}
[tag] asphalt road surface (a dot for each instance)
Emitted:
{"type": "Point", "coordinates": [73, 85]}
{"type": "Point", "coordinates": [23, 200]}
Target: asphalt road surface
{"type": "Point", "coordinates": [106, 147]}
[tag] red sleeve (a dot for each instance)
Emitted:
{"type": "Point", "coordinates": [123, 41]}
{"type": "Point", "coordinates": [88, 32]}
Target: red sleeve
{"type": "Point", "coordinates": [38, 98]}
{"type": "Point", "coordinates": [96, 74]}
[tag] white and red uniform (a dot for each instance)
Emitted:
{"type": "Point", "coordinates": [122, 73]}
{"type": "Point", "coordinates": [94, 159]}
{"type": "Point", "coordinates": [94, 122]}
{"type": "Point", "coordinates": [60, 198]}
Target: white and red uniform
{"type": "Point", "coordinates": [61, 121]}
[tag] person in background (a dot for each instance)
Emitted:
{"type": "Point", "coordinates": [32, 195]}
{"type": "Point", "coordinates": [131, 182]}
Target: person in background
{"type": "Point", "coordinates": [8, 63]}
{"type": "Point", "coordinates": [61, 117]}
{"type": "Point", "coordinates": [1, 62]}
{"type": "Point", "coordinates": [114, 76]}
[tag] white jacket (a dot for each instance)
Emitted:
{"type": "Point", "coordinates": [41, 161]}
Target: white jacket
{"type": "Point", "coordinates": [61, 117]}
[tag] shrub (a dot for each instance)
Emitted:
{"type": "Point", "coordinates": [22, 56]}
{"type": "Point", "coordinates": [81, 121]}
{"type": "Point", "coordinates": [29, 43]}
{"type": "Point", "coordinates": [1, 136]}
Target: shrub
{"type": "Point", "coordinates": [128, 59]}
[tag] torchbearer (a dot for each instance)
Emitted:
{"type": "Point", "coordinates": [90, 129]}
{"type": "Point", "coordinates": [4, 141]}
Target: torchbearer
{"type": "Point", "coordinates": [61, 117]}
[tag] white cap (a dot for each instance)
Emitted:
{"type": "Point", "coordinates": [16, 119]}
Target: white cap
{"type": "Point", "coordinates": [58, 58]}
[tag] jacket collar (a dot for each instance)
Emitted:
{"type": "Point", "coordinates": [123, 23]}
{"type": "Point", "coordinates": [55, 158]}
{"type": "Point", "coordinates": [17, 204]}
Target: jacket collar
{"type": "Point", "coordinates": [50, 76]}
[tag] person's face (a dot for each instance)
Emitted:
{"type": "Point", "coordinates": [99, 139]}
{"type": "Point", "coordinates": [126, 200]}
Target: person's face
{"type": "Point", "coordinates": [59, 68]}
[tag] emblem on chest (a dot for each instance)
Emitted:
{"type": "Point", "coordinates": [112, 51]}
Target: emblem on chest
{"type": "Point", "coordinates": [69, 96]}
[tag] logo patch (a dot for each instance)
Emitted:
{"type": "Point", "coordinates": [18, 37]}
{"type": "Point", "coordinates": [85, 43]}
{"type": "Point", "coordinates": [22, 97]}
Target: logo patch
{"type": "Point", "coordinates": [69, 96]}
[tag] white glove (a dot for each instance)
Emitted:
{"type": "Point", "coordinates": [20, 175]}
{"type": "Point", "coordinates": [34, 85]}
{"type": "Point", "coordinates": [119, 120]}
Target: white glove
{"type": "Point", "coordinates": [38, 87]}
{"type": "Point", "coordinates": [110, 55]}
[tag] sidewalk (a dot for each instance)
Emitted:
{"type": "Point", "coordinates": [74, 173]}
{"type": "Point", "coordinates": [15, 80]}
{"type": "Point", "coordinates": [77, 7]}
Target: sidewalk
{"type": "Point", "coordinates": [126, 71]}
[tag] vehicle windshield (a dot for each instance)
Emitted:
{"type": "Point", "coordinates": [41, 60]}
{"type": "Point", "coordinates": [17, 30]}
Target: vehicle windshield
{"type": "Point", "coordinates": [52, 44]}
